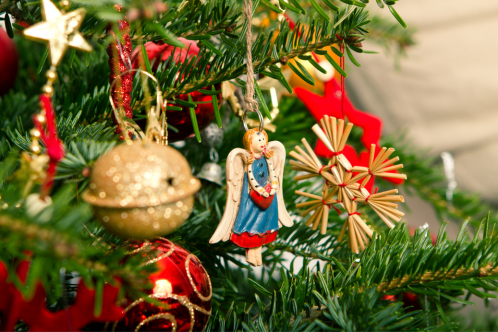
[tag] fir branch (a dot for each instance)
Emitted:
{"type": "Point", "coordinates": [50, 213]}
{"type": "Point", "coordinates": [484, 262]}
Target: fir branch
{"type": "Point", "coordinates": [257, 64]}
{"type": "Point", "coordinates": [61, 246]}
{"type": "Point", "coordinates": [462, 273]}
{"type": "Point", "coordinates": [388, 34]}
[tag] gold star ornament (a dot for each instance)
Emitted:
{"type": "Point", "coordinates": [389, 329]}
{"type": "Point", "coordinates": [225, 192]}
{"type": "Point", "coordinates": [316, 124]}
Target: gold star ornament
{"type": "Point", "coordinates": [60, 30]}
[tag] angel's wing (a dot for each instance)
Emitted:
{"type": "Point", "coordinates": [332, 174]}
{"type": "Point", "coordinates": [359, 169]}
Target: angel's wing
{"type": "Point", "coordinates": [235, 170]}
{"type": "Point", "coordinates": [278, 161]}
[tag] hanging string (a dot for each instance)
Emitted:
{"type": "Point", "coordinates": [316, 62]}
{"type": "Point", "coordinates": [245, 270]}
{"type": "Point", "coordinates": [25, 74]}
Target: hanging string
{"type": "Point", "coordinates": [341, 47]}
{"type": "Point", "coordinates": [251, 104]}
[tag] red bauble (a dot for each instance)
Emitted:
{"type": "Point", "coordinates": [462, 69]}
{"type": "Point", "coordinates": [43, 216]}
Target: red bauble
{"type": "Point", "coordinates": [9, 62]}
{"type": "Point", "coordinates": [181, 120]}
{"type": "Point", "coordinates": [411, 300]}
{"type": "Point", "coordinates": [391, 298]}
{"type": "Point", "coordinates": [181, 282]}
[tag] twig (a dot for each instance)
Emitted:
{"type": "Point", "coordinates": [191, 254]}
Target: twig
{"type": "Point", "coordinates": [436, 276]}
{"type": "Point", "coordinates": [62, 247]}
{"type": "Point", "coordinates": [294, 53]}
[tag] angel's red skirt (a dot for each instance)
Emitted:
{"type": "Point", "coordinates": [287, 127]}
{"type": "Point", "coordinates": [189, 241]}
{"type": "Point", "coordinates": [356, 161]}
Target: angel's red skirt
{"type": "Point", "coordinates": [248, 240]}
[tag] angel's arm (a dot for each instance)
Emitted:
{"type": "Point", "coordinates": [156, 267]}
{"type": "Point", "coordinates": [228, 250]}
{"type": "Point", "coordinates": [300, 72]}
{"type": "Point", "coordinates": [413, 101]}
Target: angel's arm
{"type": "Point", "coordinates": [254, 183]}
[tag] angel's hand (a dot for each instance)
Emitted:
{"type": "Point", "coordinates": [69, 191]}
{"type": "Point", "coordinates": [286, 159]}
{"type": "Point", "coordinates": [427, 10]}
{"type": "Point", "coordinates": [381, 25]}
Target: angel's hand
{"type": "Point", "coordinates": [273, 192]}
{"type": "Point", "coordinates": [265, 194]}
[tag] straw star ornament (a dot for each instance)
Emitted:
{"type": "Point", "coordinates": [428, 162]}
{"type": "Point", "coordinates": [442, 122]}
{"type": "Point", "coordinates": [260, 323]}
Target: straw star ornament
{"type": "Point", "coordinates": [345, 184]}
{"type": "Point", "coordinates": [60, 30]}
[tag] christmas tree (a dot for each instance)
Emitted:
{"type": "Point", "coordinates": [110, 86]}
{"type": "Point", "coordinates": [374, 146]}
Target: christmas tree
{"type": "Point", "coordinates": [109, 123]}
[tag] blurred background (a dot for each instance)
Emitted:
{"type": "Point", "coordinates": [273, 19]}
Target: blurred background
{"type": "Point", "coordinates": [443, 94]}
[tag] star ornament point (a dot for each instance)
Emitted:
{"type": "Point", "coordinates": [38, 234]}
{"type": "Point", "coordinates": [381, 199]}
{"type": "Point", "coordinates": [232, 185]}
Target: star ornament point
{"type": "Point", "coordinates": [59, 30]}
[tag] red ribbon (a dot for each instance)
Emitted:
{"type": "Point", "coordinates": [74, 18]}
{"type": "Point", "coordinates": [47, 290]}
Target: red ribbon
{"type": "Point", "coordinates": [341, 48]}
{"type": "Point", "coordinates": [332, 206]}
{"type": "Point", "coordinates": [366, 199]}
{"type": "Point", "coordinates": [338, 211]}
{"type": "Point", "coordinates": [333, 154]}
{"type": "Point", "coordinates": [54, 147]}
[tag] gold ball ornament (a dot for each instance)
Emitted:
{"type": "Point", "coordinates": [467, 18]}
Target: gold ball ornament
{"type": "Point", "coordinates": [141, 190]}
{"type": "Point", "coordinates": [319, 77]}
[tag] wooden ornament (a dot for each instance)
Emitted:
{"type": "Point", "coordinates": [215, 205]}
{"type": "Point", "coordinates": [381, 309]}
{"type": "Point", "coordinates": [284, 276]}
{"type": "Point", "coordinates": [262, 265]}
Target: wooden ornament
{"type": "Point", "coordinates": [255, 208]}
{"type": "Point", "coordinates": [342, 184]}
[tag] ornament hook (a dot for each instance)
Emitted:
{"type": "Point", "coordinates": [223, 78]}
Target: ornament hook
{"type": "Point", "coordinates": [155, 131]}
{"type": "Point", "coordinates": [261, 120]}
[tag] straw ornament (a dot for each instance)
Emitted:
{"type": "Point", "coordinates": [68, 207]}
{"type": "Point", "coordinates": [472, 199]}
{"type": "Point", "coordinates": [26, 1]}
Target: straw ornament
{"type": "Point", "coordinates": [344, 184]}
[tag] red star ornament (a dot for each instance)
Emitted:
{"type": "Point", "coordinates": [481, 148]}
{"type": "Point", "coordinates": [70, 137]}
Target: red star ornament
{"type": "Point", "coordinates": [330, 104]}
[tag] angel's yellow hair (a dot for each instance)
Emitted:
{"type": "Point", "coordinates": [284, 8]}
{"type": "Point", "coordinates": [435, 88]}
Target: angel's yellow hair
{"type": "Point", "coordinates": [248, 139]}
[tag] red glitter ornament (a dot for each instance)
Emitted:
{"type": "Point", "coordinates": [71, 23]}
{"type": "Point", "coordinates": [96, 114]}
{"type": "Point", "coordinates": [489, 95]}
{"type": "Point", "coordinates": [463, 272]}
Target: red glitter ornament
{"type": "Point", "coordinates": [9, 62]}
{"type": "Point", "coordinates": [120, 61]}
{"type": "Point", "coordinates": [181, 120]}
{"type": "Point", "coordinates": [181, 282]}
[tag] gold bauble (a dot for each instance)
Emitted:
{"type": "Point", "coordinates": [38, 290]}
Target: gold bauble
{"type": "Point", "coordinates": [141, 190]}
{"type": "Point", "coordinates": [320, 78]}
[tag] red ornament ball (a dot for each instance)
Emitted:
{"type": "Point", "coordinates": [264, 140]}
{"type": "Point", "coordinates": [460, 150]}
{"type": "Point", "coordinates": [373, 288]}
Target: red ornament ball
{"type": "Point", "coordinates": [411, 300]}
{"type": "Point", "coordinates": [181, 282]}
{"type": "Point", "coordinates": [181, 120]}
{"type": "Point", "coordinates": [9, 62]}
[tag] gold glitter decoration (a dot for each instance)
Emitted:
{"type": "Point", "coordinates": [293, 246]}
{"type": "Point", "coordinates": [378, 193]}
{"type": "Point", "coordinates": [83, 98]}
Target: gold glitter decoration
{"type": "Point", "coordinates": [187, 263]}
{"type": "Point", "coordinates": [145, 245]}
{"type": "Point", "coordinates": [159, 316]}
{"type": "Point", "coordinates": [183, 300]}
{"type": "Point", "coordinates": [140, 190]}
{"type": "Point", "coordinates": [163, 256]}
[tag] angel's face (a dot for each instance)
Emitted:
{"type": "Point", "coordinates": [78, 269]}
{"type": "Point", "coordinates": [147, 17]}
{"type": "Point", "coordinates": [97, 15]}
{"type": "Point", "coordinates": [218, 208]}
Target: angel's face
{"type": "Point", "coordinates": [258, 143]}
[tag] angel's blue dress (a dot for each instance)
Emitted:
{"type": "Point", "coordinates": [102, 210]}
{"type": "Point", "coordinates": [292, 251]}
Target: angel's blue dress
{"type": "Point", "coordinates": [251, 219]}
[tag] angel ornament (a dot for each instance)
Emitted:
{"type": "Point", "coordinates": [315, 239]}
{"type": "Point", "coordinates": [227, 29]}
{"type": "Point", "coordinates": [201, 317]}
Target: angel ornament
{"type": "Point", "coordinates": [255, 208]}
